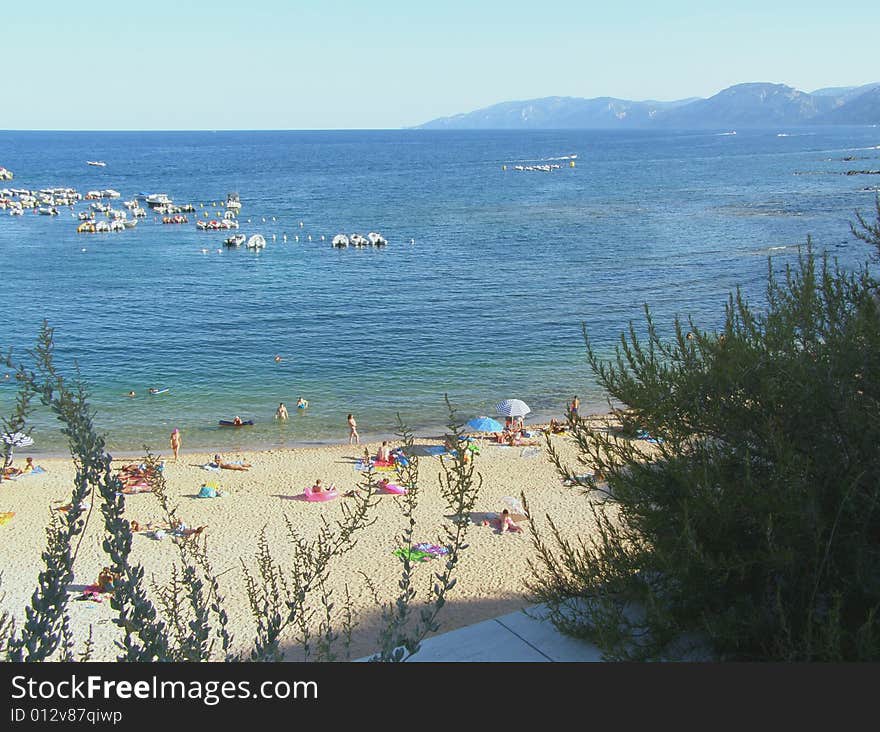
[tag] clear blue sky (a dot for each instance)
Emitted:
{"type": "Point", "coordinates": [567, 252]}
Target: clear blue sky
{"type": "Point", "coordinates": [273, 64]}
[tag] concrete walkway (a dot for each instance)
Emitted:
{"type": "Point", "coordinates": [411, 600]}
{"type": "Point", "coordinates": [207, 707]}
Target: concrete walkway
{"type": "Point", "coordinates": [515, 637]}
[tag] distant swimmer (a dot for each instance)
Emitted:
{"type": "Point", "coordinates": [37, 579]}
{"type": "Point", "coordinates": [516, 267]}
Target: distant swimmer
{"type": "Point", "coordinates": [131, 394]}
{"type": "Point", "coordinates": [277, 358]}
{"type": "Point", "coordinates": [301, 403]}
{"type": "Point", "coordinates": [153, 390]}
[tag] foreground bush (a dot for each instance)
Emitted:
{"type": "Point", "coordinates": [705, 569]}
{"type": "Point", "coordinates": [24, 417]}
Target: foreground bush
{"type": "Point", "coordinates": [749, 526]}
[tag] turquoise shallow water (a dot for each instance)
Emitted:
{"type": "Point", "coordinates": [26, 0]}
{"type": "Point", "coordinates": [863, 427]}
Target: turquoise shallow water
{"type": "Point", "coordinates": [487, 303]}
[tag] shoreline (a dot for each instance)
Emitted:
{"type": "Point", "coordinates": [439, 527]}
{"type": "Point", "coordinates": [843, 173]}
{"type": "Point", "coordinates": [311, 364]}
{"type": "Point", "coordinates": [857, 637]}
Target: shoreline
{"type": "Point", "coordinates": [258, 446]}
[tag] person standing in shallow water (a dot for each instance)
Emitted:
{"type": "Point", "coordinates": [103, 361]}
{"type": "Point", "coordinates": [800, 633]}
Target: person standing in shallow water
{"type": "Point", "coordinates": [175, 442]}
{"type": "Point", "coordinates": [575, 404]}
{"type": "Point", "coordinates": [281, 412]}
{"type": "Point", "coordinates": [353, 437]}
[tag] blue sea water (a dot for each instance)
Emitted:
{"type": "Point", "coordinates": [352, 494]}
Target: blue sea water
{"type": "Point", "coordinates": [485, 303]}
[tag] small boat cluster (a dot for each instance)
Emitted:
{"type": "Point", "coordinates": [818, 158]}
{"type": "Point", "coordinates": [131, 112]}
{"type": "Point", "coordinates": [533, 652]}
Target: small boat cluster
{"type": "Point", "coordinates": [48, 201]}
{"type": "Point", "coordinates": [98, 227]}
{"type": "Point", "coordinates": [540, 168]}
{"type": "Point", "coordinates": [373, 239]}
{"type": "Point", "coordinates": [5, 174]}
{"type": "Point", "coordinates": [98, 195]}
{"type": "Point", "coordinates": [45, 201]}
{"type": "Point", "coordinates": [217, 224]}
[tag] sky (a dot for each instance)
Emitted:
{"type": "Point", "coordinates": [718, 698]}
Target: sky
{"type": "Point", "coordinates": [385, 64]}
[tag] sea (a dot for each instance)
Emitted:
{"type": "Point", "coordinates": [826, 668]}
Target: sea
{"type": "Point", "coordinates": [493, 267]}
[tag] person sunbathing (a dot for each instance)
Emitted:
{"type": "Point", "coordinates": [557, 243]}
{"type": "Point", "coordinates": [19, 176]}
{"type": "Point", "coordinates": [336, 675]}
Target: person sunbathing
{"type": "Point", "coordinates": [28, 466]}
{"type": "Point", "coordinates": [220, 463]}
{"type": "Point", "coordinates": [383, 454]}
{"type": "Point", "coordinates": [556, 428]}
{"type": "Point", "coordinates": [10, 471]}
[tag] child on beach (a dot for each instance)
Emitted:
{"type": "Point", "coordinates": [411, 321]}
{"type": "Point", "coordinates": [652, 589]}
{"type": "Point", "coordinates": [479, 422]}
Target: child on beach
{"type": "Point", "coordinates": [175, 442]}
{"type": "Point", "coordinates": [507, 523]}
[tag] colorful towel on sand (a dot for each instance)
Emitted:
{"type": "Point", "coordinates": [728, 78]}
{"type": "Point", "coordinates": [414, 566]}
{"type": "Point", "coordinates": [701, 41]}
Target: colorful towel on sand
{"type": "Point", "coordinates": [6, 517]}
{"type": "Point", "coordinates": [382, 468]}
{"type": "Point", "coordinates": [432, 549]}
{"type": "Point", "coordinates": [423, 552]}
{"type": "Point", "coordinates": [644, 435]}
{"type": "Point", "coordinates": [436, 450]}
{"type": "Point", "coordinates": [36, 471]}
{"type": "Point", "coordinates": [211, 466]}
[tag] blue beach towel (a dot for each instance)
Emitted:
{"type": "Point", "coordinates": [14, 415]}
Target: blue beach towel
{"type": "Point", "coordinates": [36, 471]}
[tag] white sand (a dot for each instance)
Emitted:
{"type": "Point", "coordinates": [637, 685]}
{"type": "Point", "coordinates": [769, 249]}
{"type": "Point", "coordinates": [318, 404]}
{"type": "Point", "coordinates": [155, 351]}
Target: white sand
{"type": "Point", "coordinates": [490, 576]}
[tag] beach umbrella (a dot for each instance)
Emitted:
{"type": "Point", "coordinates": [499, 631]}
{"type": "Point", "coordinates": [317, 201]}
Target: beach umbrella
{"type": "Point", "coordinates": [15, 439]}
{"type": "Point", "coordinates": [517, 512]}
{"type": "Point", "coordinates": [485, 424]}
{"type": "Point", "coordinates": [513, 408]}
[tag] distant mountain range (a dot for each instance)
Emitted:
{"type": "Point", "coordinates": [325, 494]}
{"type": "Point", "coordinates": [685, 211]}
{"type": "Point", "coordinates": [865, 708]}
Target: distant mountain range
{"type": "Point", "coordinates": [744, 105]}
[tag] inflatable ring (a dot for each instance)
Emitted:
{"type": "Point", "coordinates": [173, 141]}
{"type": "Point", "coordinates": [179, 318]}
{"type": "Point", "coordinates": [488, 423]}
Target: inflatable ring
{"type": "Point", "coordinates": [321, 496]}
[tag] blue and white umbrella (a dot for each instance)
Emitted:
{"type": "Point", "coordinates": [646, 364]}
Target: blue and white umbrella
{"type": "Point", "coordinates": [513, 408]}
{"type": "Point", "coordinates": [485, 424]}
{"type": "Point", "coordinates": [17, 439]}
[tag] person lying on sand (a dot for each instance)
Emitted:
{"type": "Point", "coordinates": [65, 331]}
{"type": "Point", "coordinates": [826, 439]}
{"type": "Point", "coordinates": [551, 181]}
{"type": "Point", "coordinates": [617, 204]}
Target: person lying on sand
{"type": "Point", "coordinates": [220, 463]}
{"type": "Point", "coordinates": [10, 471]}
{"type": "Point", "coordinates": [178, 528]}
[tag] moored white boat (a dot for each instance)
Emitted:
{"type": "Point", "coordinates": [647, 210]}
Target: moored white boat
{"type": "Point", "coordinates": [340, 241]}
{"type": "Point", "coordinates": [257, 241]}
{"type": "Point", "coordinates": [376, 239]}
{"type": "Point", "coordinates": [158, 199]}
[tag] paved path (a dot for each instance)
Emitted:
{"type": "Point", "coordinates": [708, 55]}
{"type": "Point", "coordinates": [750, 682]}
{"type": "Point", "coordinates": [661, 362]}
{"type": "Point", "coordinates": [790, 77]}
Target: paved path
{"type": "Point", "coordinates": [515, 637]}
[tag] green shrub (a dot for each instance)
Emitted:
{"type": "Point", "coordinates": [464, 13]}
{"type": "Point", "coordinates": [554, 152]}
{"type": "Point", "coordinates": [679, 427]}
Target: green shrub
{"type": "Point", "coordinates": [752, 530]}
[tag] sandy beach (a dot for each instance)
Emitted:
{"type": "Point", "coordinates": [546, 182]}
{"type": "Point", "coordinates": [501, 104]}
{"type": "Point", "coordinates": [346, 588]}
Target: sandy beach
{"type": "Point", "coordinates": [490, 576]}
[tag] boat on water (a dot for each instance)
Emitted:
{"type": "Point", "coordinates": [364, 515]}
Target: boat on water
{"type": "Point", "coordinates": [340, 241]}
{"type": "Point", "coordinates": [178, 219]}
{"type": "Point", "coordinates": [97, 163]}
{"type": "Point", "coordinates": [233, 202]}
{"type": "Point", "coordinates": [358, 240]}
{"type": "Point", "coordinates": [257, 241]}
{"type": "Point", "coordinates": [158, 199]}
{"type": "Point", "coordinates": [48, 211]}
{"type": "Point", "coordinates": [376, 239]}
{"type": "Point", "coordinates": [130, 224]}
{"type": "Point", "coordinates": [236, 240]}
